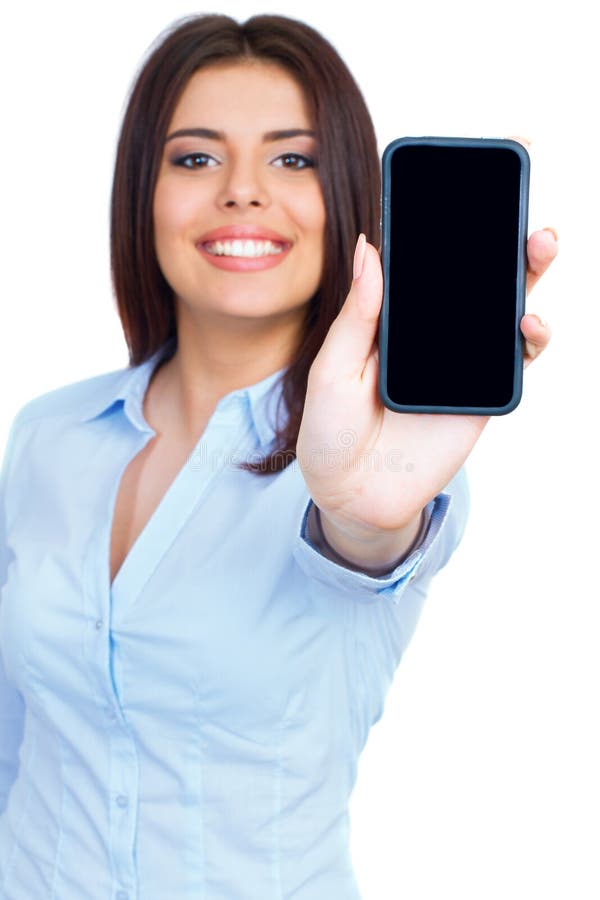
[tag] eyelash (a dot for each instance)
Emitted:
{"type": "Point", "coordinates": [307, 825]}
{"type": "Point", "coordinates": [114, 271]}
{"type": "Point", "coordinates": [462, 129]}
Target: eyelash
{"type": "Point", "coordinates": [308, 162]}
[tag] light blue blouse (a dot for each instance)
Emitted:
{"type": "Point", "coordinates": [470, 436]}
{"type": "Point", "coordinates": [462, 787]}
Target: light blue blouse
{"type": "Point", "coordinates": [193, 730]}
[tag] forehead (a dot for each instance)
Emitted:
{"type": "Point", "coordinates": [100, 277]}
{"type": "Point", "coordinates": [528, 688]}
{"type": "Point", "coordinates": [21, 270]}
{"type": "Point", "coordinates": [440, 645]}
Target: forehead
{"type": "Point", "coordinates": [261, 93]}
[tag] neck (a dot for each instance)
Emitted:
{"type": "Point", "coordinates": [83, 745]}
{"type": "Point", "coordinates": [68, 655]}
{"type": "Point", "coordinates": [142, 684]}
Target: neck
{"type": "Point", "coordinates": [212, 361]}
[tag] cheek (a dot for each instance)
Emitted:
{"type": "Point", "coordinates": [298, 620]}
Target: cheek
{"type": "Point", "coordinates": [307, 207]}
{"type": "Point", "coordinates": [173, 208]}
{"type": "Point", "coordinates": [318, 213]}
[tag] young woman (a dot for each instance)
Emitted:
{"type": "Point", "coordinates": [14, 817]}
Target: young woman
{"type": "Point", "coordinates": [212, 560]}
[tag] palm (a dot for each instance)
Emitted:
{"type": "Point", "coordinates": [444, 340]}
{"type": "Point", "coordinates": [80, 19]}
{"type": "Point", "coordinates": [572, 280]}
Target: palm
{"type": "Point", "coordinates": [378, 466]}
{"type": "Point", "coordinates": [362, 461]}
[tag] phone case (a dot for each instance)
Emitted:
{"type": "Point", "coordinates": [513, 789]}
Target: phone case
{"type": "Point", "coordinates": [521, 271]}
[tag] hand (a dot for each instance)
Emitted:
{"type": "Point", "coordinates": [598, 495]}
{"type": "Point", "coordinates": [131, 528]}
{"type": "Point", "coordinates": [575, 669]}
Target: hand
{"type": "Point", "coordinates": [368, 468]}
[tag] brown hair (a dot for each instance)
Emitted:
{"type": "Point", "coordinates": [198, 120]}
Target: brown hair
{"type": "Point", "coordinates": [348, 169]}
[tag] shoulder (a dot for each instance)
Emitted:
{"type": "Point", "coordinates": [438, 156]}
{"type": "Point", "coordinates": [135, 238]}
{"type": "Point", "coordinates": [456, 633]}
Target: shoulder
{"type": "Point", "coordinates": [53, 411]}
{"type": "Point", "coordinates": [71, 401]}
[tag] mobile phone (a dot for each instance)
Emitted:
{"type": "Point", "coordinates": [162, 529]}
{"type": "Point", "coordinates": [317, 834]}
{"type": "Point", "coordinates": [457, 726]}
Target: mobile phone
{"type": "Point", "coordinates": [454, 257]}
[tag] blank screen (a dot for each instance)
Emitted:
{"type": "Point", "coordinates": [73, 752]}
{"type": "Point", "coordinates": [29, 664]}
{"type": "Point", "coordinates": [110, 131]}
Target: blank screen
{"type": "Point", "coordinates": [453, 255]}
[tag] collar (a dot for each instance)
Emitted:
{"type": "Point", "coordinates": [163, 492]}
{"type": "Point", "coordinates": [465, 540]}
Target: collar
{"type": "Point", "coordinates": [127, 388]}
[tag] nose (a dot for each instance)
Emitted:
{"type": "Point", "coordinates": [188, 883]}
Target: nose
{"type": "Point", "coordinates": [243, 186]}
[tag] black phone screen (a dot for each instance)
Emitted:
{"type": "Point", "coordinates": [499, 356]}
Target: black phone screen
{"type": "Point", "coordinates": [454, 243]}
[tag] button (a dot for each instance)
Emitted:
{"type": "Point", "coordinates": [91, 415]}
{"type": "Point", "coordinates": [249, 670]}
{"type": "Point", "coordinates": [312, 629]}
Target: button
{"type": "Point", "coordinates": [122, 895]}
{"type": "Point", "coordinates": [99, 624]}
{"type": "Point", "coordinates": [121, 800]}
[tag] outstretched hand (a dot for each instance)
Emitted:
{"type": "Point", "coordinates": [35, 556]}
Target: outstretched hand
{"type": "Point", "coordinates": [369, 468]}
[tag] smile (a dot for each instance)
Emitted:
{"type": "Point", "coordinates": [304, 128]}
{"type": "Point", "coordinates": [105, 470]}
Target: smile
{"type": "Point", "coordinates": [244, 255]}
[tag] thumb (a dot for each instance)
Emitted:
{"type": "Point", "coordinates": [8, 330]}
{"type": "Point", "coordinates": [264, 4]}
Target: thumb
{"type": "Point", "coordinates": [349, 341]}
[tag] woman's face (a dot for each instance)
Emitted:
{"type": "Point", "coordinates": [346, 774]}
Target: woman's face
{"type": "Point", "coordinates": [238, 210]}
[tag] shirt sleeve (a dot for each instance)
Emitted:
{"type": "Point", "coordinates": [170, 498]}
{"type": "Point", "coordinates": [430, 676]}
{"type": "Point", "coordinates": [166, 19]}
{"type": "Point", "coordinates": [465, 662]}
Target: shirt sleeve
{"type": "Point", "coordinates": [448, 513]}
{"type": "Point", "coordinates": [12, 707]}
{"type": "Point", "coordinates": [384, 612]}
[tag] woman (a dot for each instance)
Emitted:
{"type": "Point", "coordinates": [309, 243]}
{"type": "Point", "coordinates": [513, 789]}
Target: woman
{"type": "Point", "coordinates": [213, 560]}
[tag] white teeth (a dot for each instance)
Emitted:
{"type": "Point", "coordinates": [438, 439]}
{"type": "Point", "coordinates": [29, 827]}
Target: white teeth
{"type": "Point", "coordinates": [242, 248]}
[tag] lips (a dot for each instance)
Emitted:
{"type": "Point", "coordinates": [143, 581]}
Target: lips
{"type": "Point", "coordinates": [243, 263]}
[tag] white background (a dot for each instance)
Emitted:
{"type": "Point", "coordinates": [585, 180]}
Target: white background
{"type": "Point", "coordinates": [481, 779]}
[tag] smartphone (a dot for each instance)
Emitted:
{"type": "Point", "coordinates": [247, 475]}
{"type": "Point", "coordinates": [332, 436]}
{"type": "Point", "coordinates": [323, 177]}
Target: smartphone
{"type": "Point", "coordinates": [454, 257]}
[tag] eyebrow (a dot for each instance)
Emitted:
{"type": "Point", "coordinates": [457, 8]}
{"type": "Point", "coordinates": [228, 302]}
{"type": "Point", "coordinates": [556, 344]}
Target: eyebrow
{"type": "Point", "coordinates": [268, 136]}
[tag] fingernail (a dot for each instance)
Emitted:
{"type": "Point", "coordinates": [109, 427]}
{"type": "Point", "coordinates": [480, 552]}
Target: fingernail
{"type": "Point", "coordinates": [540, 320]}
{"type": "Point", "coordinates": [359, 256]}
{"type": "Point", "coordinates": [552, 231]}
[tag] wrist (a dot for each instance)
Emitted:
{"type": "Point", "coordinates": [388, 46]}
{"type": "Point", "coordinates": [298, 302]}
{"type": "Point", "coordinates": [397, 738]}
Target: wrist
{"type": "Point", "coordinates": [369, 550]}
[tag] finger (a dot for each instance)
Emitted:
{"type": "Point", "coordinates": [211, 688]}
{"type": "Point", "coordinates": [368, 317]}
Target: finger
{"type": "Point", "coordinates": [537, 335]}
{"type": "Point", "coordinates": [349, 341]}
{"type": "Point", "coordinates": [522, 140]}
{"type": "Point", "coordinates": [542, 248]}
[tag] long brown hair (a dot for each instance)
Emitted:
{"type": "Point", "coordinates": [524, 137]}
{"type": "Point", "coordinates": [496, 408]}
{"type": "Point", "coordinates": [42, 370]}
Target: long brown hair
{"type": "Point", "coordinates": [348, 170]}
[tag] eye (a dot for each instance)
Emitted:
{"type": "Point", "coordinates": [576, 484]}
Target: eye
{"type": "Point", "coordinates": [294, 161]}
{"type": "Point", "coordinates": [195, 161]}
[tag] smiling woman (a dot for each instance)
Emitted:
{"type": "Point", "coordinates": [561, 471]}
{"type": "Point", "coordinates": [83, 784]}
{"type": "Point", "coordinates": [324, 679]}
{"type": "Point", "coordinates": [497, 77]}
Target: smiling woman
{"type": "Point", "coordinates": [240, 127]}
{"type": "Point", "coordinates": [191, 656]}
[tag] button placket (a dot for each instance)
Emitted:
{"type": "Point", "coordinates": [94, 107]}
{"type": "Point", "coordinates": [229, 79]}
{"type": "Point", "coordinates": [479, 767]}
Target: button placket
{"type": "Point", "coordinates": [124, 792]}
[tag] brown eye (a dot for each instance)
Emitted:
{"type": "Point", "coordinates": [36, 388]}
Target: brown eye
{"type": "Point", "coordinates": [294, 161]}
{"type": "Point", "coordinates": [195, 161]}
